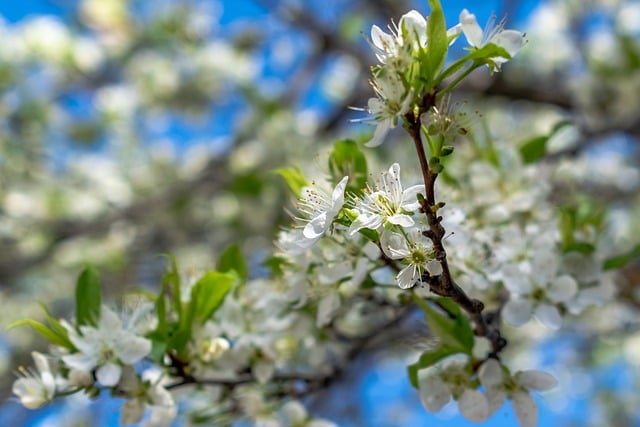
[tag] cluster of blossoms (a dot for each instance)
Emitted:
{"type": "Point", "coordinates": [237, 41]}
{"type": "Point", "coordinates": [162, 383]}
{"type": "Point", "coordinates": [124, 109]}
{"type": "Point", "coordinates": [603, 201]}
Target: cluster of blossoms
{"type": "Point", "coordinates": [404, 46]}
{"type": "Point", "coordinates": [454, 379]}
{"type": "Point", "coordinates": [253, 340]}
{"type": "Point", "coordinates": [102, 356]}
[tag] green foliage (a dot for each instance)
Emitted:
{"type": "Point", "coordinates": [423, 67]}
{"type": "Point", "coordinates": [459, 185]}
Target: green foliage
{"type": "Point", "coordinates": [535, 148]}
{"type": "Point", "coordinates": [437, 43]}
{"type": "Point", "coordinates": [452, 329]}
{"type": "Point", "coordinates": [581, 216]}
{"type": "Point", "coordinates": [88, 297]}
{"type": "Point", "coordinates": [207, 294]}
{"type": "Point", "coordinates": [294, 178]}
{"type": "Point", "coordinates": [233, 260]}
{"type": "Point", "coordinates": [621, 260]}
{"type": "Point", "coordinates": [346, 159]}
{"type": "Point", "coordinates": [55, 333]}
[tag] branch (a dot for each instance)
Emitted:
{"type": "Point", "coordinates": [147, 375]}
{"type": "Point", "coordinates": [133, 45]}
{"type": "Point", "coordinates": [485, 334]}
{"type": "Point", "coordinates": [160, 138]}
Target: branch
{"type": "Point", "coordinates": [444, 285]}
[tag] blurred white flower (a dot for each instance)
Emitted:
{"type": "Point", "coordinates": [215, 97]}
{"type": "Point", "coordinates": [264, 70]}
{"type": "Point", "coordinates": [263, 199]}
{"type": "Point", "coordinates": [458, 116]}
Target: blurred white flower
{"type": "Point", "coordinates": [34, 389]}
{"type": "Point", "coordinates": [106, 347]}
{"type": "Point", "coordinates": [510, 40]}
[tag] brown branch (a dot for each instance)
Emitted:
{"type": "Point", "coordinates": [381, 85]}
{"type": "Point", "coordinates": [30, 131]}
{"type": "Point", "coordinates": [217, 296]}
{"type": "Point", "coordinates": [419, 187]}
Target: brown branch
{"type": "Point", "coordinates": [444, 284]}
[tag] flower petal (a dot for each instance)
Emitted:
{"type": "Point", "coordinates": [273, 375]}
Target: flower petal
{"type": "Point", "coordinates": [517, 311]}
{"type": "Point", "coordinates": [382, 129]}
{"type": "Point", "coordinates": [407, 277]}
{"type": "Point", "coordinates": [510, 40]}
{"type": "Point", "coordinates": [562, 289]}
{"type": "Point", "coordinates": [434, 394]}
{"type": "Point", "coordinates": [109, 374]}
{"type": "Point", "coordinates": [470, 28]}
{"type": "Point", "coordinates": [536, 380]}
{"type": "Point", "coordinates": [549, 316]}
{"type": "Point", "coordinates": [316, 227]}
{"type": "Point", "coordinates": [473, 405]}
{"type": "Point", "coordinates": [525, 409]}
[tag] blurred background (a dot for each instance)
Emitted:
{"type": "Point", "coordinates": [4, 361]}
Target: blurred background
{"type": "Point", "coordinates": [132, 128]}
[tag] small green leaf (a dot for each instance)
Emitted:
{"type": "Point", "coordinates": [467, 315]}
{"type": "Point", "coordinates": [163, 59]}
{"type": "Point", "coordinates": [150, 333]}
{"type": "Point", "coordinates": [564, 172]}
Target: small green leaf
{"type": "Point", "coordinates": [208, 293]}
{"type": "Point", "coordinates": [428, 358]}
{"type": "Point", "coordinates": [49, 334]}
{"type": "Point", "coordinates": [451, 328]}
{"type": "Point", "coordinates": [581, 247]}
{"type": "Point", "coordinates": [620, 261]}
{"type": "Point", "coordinates": [88, 297]}
{"type": "Point", "coordinates": [437, 42]}
{"type": "Point", "coordinates": [232, 259]}
{"type": "Point", "coordinates": [534, 149]}
{"type": "Point", "coordinates": [346, 159]}
{"type": "Point", "coordinates": [446, 150]}
{"type": "Point", "coordinates": [294, 178]}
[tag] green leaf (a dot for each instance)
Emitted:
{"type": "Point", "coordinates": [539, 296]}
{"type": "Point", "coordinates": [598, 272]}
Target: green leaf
{"type": "Point", "coordinates": [294, 178]}
{"type": "Point", "coordinates": [208, 293]}
{"type": "Point", "coordinates": [346, 159]}
{"type": "Point", "coordinates": [171, 280]}
{"type": "Point", "coordinates": [232, 259]}
{"type": "Point", "coordinates": [534, 149]}
{"type": "Point", "coordinates": [49, 334]}
{"type": "Point", "coordinates": [451, 328]}
{"type": "Point", "coordinates": [581, 247]}
{"type": "Point", "coordinates": [428, 358]}
{"type": "Point", "coordinates": [620, 261]}
{"type": "Point", "coordinates": [88, 297]}
{"type": "Point", "coordinates": [437, 42]}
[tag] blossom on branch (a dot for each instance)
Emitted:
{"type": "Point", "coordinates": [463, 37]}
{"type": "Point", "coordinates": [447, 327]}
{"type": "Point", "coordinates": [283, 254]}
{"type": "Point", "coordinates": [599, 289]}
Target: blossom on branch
{"type": "Point", "coordinates": [389, 203]}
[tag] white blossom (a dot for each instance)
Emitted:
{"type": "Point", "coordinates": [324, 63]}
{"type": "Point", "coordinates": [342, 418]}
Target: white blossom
{"type": "Point", "coordinates": [320, 209]}
{"type": "Point", "coordinates": [510, 40]}
{"type": "Point", "coordinates": [105, 348]}
{"type": "Point", "coordinates": [34, 389]}
{"type": "Point", "coordinates": [414, 250]}
{"type": "Point", "coordinates": [388, 203]}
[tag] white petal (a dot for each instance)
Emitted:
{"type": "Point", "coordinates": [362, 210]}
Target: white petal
{"type": "Point", "coordinates": [470, 28]}
{"type": "Point", "coordinates": [109, 321]}
{"type": "Point", "coordinates": [549, 316]}
{"type": "Point", "coordinates": [131, 348]}
{"type": "Point", "coordinates": [394, 245]}
{"type": "Point", "coordinates": [108, 375]}
{"type": "Point", "coordinates": [401, 220]}
{"type": "Point", "coordinates": [434, 268]}
{"type": "Point", "coordinates": [407, 277]}
{"type": "Point", "coordinates": [337, 197]}
{"type": "Point", "coordinates": [525, 409]}
{"type": "Point", "coordinates": [131, 412]}
{"type": "Point", "coordinates": [294, 412]}
{"type": "Point", "coordinates": [510, 40]}
{"type": "Point", "coordinates": [263, 371]}
{"type": "Point", "coordinates": [536, 380]}
{"type": "Point", "coordinates": [381, 40]}
{"type": "Point", "coordinates": [473, 405]}
{"type": "Point", "coordinates": [434, 394]}
{"type": "Point", "coordinates": [490, 374]}
{"type": "Point", "coordinates": [563, 288]}
{"type": "Point", "coordinates": [382, 129]}
{"type": "Point", "coordinates": [372, 222]}
{"type": "Point", "coordinates": [30, 391]}
{"type": "Point", "coordinates": [327, 308]}
{"type": "Point", "coordinates": [80, 361]}
{"type": "Point", "coordinates": [410, 197]}
{"type": "Point", "coordinates": [316, 227]}
{"type": "Point", "coordinates": [517, 311]}
{"type": "Point", "coordinates": [415, 26]}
